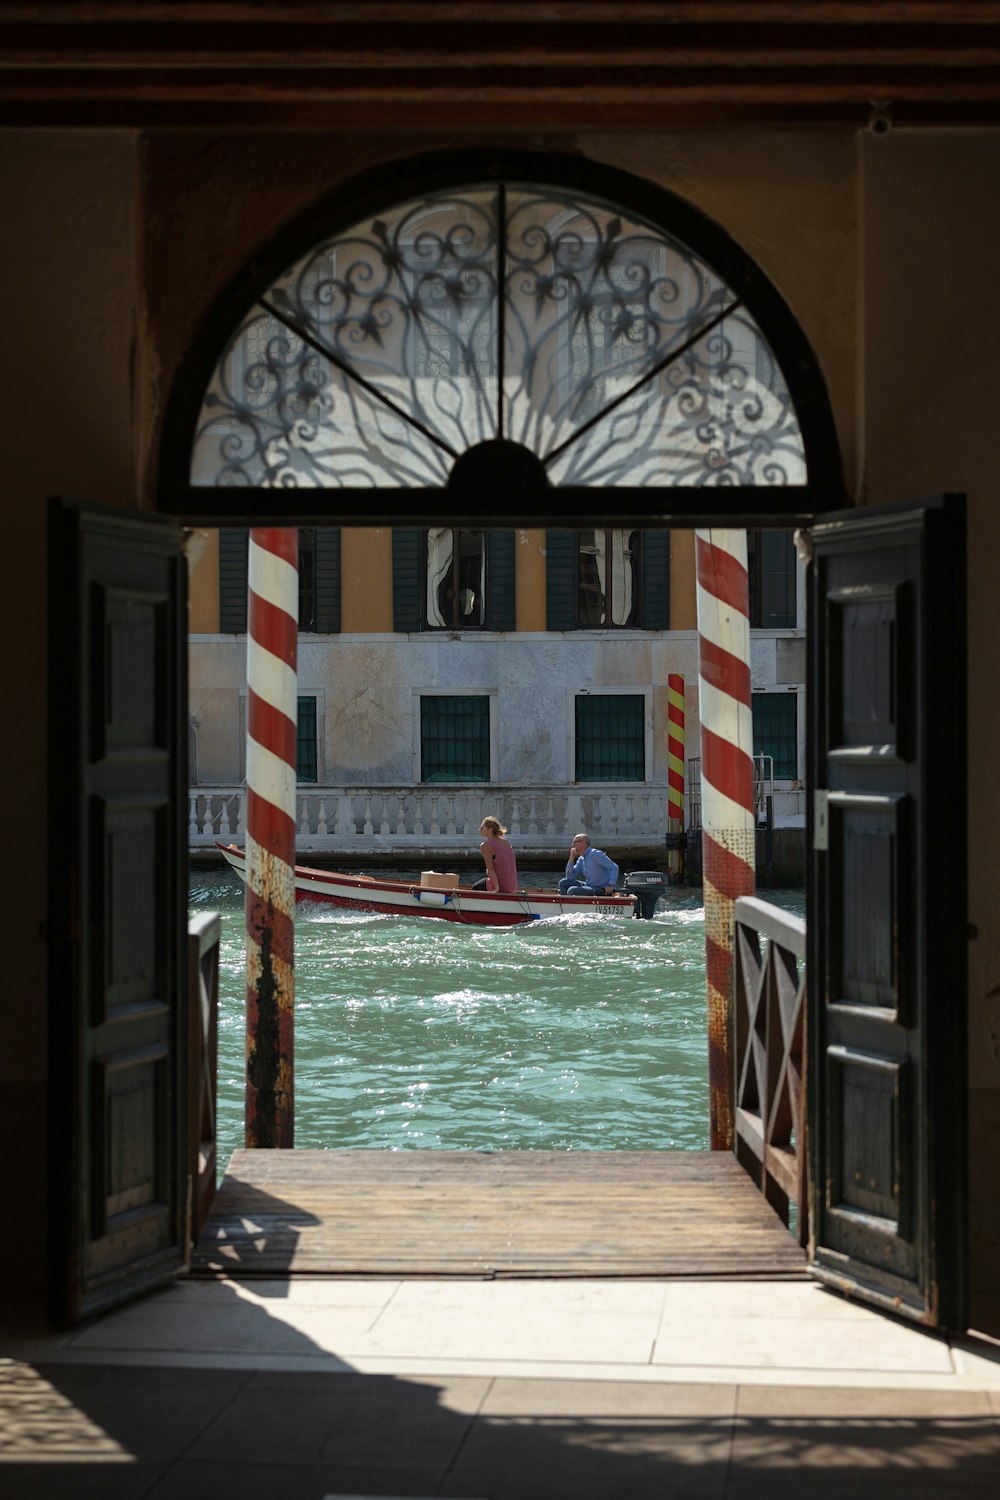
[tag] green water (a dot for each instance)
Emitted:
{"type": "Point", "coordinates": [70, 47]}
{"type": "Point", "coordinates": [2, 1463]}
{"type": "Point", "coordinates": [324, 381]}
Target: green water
{"type": "Point", "coordinates": [574, 1033]}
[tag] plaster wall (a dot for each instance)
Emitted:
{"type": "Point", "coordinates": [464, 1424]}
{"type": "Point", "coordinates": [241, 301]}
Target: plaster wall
{"type": "Point", "coordinates": [69, 257]}
{"type": "Point", "coordinates": [931, 381]}
{"type": "Point", "coordinates": [368, 689]}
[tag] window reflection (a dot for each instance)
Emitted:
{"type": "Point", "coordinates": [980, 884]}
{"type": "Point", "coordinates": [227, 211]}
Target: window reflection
{"type": "Point", "coordinates": [608, 578]}
{"type": "Point", "coordinates": [456, 579]}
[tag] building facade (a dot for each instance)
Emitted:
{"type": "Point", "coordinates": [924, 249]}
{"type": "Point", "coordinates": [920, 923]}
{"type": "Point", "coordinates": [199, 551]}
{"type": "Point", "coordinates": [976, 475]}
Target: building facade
{"type": "Point", "coordinates": [548, 707]}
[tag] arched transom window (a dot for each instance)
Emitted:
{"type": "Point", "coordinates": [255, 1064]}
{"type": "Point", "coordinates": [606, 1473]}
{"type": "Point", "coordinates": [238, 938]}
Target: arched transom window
{"type": "Point", "coordinates": [508, 338]}
{"type": "Point", "coordinates": [598, 343]}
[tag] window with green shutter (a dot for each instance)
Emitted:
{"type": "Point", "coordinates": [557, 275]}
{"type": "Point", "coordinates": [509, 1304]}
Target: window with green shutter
{"type": "Point", "coordinates": [775, 731]}
{"type": "Point", "coordinates": [319, 579]}
{"type": "Point", "coordinates": [306, 759]}
{"type": "Point", "coordinates": [455, 738]}
{"type": "Point", "coordinates": [772, 579]}
{"type": "Point", "coordinates": [610, 737]}
{"type": "Point", "coordinates": [450, 578]}
{"type": "Point", "coordinates": [607, 579]}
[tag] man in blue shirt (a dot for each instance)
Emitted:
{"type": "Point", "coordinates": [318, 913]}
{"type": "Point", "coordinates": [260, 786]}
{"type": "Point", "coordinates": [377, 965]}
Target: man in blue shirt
{"type": "Point", "coordinates": [589, 872]}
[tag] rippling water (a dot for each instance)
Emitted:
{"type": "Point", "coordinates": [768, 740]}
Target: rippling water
{"type": "Point", "coordinates": [574, 1033]}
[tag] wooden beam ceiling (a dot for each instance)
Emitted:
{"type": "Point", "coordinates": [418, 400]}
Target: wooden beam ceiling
{"type": "Point", "coordinates": [507, 64]}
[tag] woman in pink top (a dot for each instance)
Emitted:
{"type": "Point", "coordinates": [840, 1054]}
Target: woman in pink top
{"type": "Point", "coordinates": [501, 866]}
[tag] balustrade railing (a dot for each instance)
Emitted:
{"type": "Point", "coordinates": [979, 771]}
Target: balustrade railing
{"type": "Point", "coordinates": [763, 789]}
{"type": "Point", "coordinates": [406, 820]}
{"type": "Point", "coordinates": [770, 1017]}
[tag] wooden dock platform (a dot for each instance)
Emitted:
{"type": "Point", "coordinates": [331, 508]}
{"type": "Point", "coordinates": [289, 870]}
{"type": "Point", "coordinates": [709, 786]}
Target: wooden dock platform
{"type": "Point", "coordinates": [690, 1214]}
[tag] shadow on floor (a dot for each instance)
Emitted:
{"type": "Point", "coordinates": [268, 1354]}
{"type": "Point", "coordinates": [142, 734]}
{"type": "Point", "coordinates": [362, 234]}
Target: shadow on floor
{"type": "Point", "coordinates": [141, 1432]}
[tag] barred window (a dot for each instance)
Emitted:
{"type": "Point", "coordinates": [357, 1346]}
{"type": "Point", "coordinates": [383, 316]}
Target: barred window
{"type": "Point", "coordinates": [610, 737]}
{"type": "Point", "coordinates": [454, 738]}
{"type": "Point", "coordinates": [305, 741]}
{"type": "Point", "coordinates": [775, 731]}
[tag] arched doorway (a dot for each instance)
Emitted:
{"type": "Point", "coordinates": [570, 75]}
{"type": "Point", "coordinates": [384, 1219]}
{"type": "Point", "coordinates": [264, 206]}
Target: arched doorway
{"type": "Point", "coordinates": [499, 345]}
{"type": "Point", "coordinates": [508, 340]}
{"type": "Point", "coordinates": [588, 423]}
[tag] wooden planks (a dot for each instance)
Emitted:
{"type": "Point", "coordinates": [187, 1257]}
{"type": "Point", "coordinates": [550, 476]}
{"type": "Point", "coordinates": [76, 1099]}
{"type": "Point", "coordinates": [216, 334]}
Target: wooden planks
{"type": "Point", "coordinates": [481, 1214]}
{"type": "Point", "coordinates": [472, 64]}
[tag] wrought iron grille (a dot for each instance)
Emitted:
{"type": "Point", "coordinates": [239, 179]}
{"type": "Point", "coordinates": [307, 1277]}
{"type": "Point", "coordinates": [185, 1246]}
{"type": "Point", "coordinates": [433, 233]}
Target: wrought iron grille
{"type": "Point", "coordinates": [604, 346]}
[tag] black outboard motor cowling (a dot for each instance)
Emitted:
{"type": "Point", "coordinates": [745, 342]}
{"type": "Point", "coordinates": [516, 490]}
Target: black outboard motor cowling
{"type": "Point", "coordinates": [646, 886]}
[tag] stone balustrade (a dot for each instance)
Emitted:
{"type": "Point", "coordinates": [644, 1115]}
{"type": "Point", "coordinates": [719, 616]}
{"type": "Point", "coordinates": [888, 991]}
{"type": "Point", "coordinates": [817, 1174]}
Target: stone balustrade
{"type": "Point", "coordinates": [429, 820]}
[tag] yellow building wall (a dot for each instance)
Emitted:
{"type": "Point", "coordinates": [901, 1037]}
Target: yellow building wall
{"type": "Point", "coordinates": [529, 579]}
{"type": "Point", "coordinates": [683, 589]}
{"type": "Point", "coordinates": [203, 582]}
{"type": "Point", "coordinates": [365, 580]}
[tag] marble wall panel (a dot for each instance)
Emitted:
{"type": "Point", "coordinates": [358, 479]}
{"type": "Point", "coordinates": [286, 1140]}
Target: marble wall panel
{"type": "Point", "coordinates": [790, 659]}
{"type": "Point", "coordinates": [763, 662]}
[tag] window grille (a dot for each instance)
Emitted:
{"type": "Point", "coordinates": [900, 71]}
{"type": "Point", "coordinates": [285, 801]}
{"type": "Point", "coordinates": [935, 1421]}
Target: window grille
{"type": "Point", "coordinates": [601, 343]}
{"type": "Point", "coordinates": [454, 738]}
{"type": "Point", "coordinates": [305, 741]}
{"type": "Point", "coordinates": [775, 731]}
{"type": "Point", "coordinates": [610, 737]}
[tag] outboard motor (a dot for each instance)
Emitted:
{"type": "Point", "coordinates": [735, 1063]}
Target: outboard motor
{"type": "Point", "coordinates": [646, 886]}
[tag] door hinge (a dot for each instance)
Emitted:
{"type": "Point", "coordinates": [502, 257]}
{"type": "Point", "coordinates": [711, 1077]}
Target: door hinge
{"type": "Point", "coordinates": [821, 821]}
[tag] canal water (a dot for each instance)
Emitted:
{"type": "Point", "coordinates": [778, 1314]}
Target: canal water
{"type": "Point", "coordinates": [571, 1034]}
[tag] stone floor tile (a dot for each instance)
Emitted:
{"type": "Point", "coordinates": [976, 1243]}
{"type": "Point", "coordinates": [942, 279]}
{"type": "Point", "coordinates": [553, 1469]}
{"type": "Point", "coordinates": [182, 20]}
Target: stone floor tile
{"type": "Point", "coordinates": [65, 1412]}
{"type": "Point", "coordinates": [463, 1394]}
{"type": "Point", "coordinates": [510, 1397]}
{"type": "Point", "coordinates": [798, 1344]}
{"type": "Point", "coordinates": [194, 1480]}
{"type": "Point", "coordinates": [606, 1476]}
{"type": "Point", "coordinates": [851, 1442]}
{"type": "Point", "coordinates": [837, 1402]}
{"type": "Point", "coordinates": [612, 1446]}
{"type": "Point", "coordinates": [318, 1291]}
{"type": "Point", "coordinates": [857, 1484]}
{"type": "Point", "coordinates": [491, 1332]}
{"type": "Point", "coordinates": [380, 1421]}
{"type": "Point", "coordinates": [230, 1326]}
{"type": "Point", "coordinates": [528, 1298]}
{"type": "Point", "coordinates": [81, 1481]}
{"type": "Point", "coordinates": [761, 1299]}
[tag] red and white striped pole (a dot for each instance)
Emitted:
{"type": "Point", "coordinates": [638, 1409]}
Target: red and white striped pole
{"type": "Point", "coordinates": [675, 765]}
{"type": "Point", "coordinates": [272, 714]}
{"type": "Point", "coordinates": [727, 800]}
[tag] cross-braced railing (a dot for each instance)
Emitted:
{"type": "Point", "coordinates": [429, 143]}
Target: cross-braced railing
{"type": "Point", "coordinates": [770, 985]}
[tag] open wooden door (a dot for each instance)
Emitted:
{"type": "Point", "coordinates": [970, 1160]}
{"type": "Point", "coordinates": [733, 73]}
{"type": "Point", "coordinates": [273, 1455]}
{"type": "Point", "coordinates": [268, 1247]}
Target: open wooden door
{"type": "Point", "coordinates": [887, 907]}
{"type": "Point", "coordinates": [117, 905]}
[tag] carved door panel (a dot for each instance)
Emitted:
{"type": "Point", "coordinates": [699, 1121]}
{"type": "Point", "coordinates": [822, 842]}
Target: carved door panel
{"type": "Point", "coordinates": [117, 903]}
{"type": "Point", "coordinates": [887, 922]}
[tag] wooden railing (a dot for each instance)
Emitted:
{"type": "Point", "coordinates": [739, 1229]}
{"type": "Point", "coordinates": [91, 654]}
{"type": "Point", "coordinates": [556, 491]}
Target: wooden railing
{"type": "Point", "coordinates": [770, 984]}
{"type": "Point", "coordinates": [203, 1056]}
{"type": "Point", "coordinates": [407, 820]}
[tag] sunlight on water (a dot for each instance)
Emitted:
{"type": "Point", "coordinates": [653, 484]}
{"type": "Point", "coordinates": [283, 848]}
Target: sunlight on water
{"type": "Point", "coordinates": [574, 1033]}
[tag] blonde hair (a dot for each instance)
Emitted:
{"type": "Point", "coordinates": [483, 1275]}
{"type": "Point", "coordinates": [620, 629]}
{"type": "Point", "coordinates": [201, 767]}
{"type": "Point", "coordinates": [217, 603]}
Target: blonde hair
{"type": "Point", "coordinates": [494, 827]}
